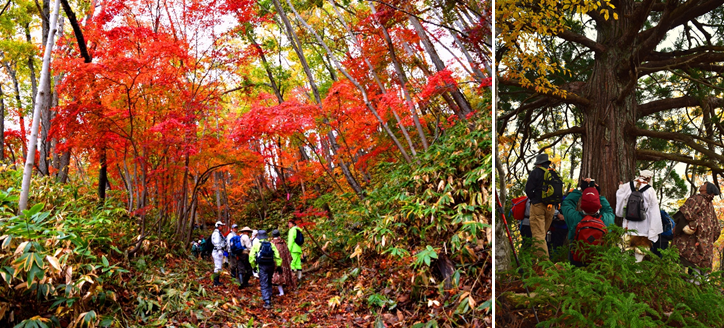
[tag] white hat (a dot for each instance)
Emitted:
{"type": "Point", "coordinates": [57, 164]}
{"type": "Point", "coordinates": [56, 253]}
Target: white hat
{"type": "Point", "coordinates": [219, 223]}
{"type": "Point", "coordinates": [646, 174]}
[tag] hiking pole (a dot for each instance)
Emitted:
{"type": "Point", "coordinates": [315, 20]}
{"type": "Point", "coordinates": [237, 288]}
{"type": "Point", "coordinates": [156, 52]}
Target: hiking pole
{"type": "Point", "coordinates": [499, 209]}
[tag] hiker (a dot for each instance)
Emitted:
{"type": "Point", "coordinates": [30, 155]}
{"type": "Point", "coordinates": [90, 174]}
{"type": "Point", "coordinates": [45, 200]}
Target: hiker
{"type": "Point", "coordinates": [545, 190]}
{"type": "Point", "coordinates": [285, 278]}
{"type": "Point", "coordinates": [594, 208]}
{"type": "Point", "coordinates": [217, 239]}
{"type": "Point", "coordinates": [243, 261]}
{"type": "Point", "coordinates": [294, 242]}
{"type": "Point", "coordinates": [265, 257]}
{"type": "Point", "coordinates": [195, 248]}
{"type": "Point", "coordinates": [665, 237]}
{"type": "Point", "coordinates": [521, 212]}
{"type": "Point", "coordinates": [254, 241]}
{"type": "Point", "coordinates": [637, 204]}
{"type": "Point", "coordinates": [232, 256]}
{"type": "Point", "coordinates": [254, 234]}
{"type": "Point", "coordinates": [700, 230]}
{"type": "Point", "coordinates": [558, 232]}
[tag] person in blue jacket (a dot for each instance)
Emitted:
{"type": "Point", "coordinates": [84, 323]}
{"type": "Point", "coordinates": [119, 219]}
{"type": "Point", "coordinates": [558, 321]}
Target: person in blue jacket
{"type": "Point", "coordinates": [573, 214]}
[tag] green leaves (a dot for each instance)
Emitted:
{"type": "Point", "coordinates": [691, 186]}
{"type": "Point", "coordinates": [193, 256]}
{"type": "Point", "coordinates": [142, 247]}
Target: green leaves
{"type": "Point", "coordinates": [425, 256]}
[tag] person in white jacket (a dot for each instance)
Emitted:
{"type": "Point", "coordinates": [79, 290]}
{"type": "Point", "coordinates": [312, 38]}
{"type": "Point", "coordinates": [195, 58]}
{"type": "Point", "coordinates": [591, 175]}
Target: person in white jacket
{"type": "Point", "coordinates": [642, 233]}
{"type": "Point", "coordinates": [219, 242]}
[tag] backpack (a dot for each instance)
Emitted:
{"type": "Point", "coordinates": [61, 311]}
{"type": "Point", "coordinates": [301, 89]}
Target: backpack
{"type": "Point", "coordinates": [667, 223]}
{"type": "Point", "coordinates": [552, 189]}
{"type": "Point", "coordinates": [520, 208]}
{"type": "Point", "coordinates": [266, 253]}
{"type": "Point", "coordinates": [635, 210]}
{"type": "Point", "coordinates": [589, 231]}
{"type": "Point", "coordinates": [208, 245]}
{"type": "Point", "coordinates": [299, 238]}
{"type": "Point", "coordinates": [235, 245]}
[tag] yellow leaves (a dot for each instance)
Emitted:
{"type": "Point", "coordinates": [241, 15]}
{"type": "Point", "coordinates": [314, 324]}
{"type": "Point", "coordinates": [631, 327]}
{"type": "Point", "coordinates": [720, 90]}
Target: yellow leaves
{"type": "Point", "coordinates": [333, 302]}
{"type": "Point", "coordinates": [54, 263]}
{"type": "Point", "coordinates": [357, 252]}
{"type": "Point", "coordinates": [21, 249]}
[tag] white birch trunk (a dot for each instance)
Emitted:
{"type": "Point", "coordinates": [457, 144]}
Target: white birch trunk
{"type": "Point", "coordinates": [39, 102]}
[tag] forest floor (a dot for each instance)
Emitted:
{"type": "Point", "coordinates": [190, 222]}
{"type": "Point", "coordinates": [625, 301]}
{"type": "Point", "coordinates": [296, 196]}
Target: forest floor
{"type": "Point", "coordinates": [316, 302]}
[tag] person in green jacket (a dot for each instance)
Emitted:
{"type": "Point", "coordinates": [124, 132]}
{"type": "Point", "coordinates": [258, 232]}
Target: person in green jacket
{"type": "Point", "coordinates": [573, 215]}
{"type": "Point", "coordinates": [265, 256]}
{"type": "Point", "coordinates": [295, 249]}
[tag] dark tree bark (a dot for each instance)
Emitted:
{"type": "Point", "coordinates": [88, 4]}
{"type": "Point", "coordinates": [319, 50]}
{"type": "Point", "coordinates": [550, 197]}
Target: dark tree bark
{"type": "Point", "coordinates": [102, 178]}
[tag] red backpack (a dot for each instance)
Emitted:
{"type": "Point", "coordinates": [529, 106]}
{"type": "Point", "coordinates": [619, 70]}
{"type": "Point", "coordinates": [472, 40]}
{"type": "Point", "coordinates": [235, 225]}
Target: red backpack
{"type": "Point", "coordinates": [518, 208]}
{"type": "Point", "coordinates": [589, 231]}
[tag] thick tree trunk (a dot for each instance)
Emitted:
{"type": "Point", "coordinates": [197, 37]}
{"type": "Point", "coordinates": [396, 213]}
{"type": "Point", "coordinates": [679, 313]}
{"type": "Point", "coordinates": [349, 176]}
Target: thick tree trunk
{"type": "Point", "coordinates": [44, 90]}
{"type": "Point", "coordinates": [46, 114]}
{"type": "Point", "coordinates": [609, 150]}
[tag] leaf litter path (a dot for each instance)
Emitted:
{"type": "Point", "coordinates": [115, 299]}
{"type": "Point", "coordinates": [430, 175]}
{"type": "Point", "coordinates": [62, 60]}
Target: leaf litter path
{"type": "Point", "coordinates": [308, 306]}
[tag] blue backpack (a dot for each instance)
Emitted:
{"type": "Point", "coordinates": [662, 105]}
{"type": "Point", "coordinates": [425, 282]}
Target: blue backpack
{"type": "Point", "coordinates": [236, 246]}
{"type": "Point", "coordinates": [667, 223]}
{"type": "Point", "coordinates": [266, 253]}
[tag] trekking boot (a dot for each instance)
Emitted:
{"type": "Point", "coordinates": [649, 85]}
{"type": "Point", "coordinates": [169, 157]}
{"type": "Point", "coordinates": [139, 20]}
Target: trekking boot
{"type": "Point", "coordinates": [299, 275]}
{"type": "Point", "coordinates": [267, 305]}
{"type": "Point", "coordinates": [216, 281]}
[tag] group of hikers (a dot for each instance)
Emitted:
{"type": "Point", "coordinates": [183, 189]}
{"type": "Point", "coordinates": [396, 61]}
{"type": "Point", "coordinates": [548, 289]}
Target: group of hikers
{"type": "Point", "coordinates": [584, 214]}
{"type": "Point", "coordinates": [251, 253]}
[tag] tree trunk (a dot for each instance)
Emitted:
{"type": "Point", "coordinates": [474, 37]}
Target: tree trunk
{"type": "Point", "coordinates": [63, 167]}
{"type": "Point", "coordinates": [359, 87]}
{"type": "Point", "coordinates": [318, 100]}
{"type": "Point", "coordinates": [2, 125]}
{"type": "Point", "coordinates": [18, 104]}
{"type": "Point", "coordinates": [609, 150]}
{"type": "Point", "coordinates": [403, 80]}
{"type": "Point", "coordinates": [439, 65]}
{"type": "Point", "coordinates": [102, 178]}
{"type": "Point", "coordinates": [503, 251]}
{"type": "Point", "coordinates": [44, 90]}
{"type": "Point", "coordinates": [46, 114]}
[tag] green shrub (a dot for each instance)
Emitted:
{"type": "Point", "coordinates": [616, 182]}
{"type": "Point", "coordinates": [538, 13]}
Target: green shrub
{"type": "Point", "coordinates": [615, 291]}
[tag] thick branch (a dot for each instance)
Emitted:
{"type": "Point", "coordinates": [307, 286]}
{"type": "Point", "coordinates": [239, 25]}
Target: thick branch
{"type": "Point", "coordinates": [573, 130]}
{"type": "Point", "coordinates": [542, 102]}
{"type": "Point", "coordinates": [673, 16]}
{"type": "Point", "coordinates": [570, 98]}
{"type": "Point", "coordinates": [693, 60]}
{"type": "Point", "coordinates": [652, 155]}
{"type": "Point", "coordinates": [656, 106]}
{"type": "Point", "coordinates": [679, 53]}
{"type": "Point", "coordinates": [687, 139]}
{"type": "Point", "coordinates": [581, 39]}
{"type": "Point", "coordinates": [77, 31]}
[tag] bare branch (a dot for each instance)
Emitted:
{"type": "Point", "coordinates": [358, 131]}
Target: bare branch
{"type": "Point", "coordinates": [570, 98]}
{"type": "Point", "coordinates": [652, 155]}
{"type": "Point", "coordinates": [573, 130]}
